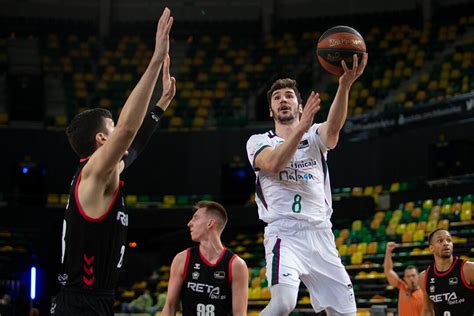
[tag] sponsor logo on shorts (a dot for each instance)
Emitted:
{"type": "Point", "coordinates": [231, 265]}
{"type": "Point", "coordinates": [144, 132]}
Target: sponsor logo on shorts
{"type": "Point", "coordinates": [286, 274]}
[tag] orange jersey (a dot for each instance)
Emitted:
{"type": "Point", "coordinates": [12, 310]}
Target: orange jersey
{"type": "Point", "coordinates": [409, 303]}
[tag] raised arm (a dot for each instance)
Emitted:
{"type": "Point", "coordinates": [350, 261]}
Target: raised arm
{"type": "Point", "coordinates": [274, 160]}
{"type": "Point", "coordinates": [428, 309]}
{"type": "Point", "coordinates": [104, 161]}
{"type": "Point", "coordinates": [240, 279]}
{"type": "Point", "coordinates": [174, 284]}
{"type": "Point", "coordinates": [329, 130]}
{"type": "Point", "coordinates": [150, 121]}
{"type": "Point", "coordinates": [392, 276]}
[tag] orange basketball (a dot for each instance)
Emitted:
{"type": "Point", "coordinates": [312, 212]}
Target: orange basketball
{"type": "Point", "coordinates": [337, 44]}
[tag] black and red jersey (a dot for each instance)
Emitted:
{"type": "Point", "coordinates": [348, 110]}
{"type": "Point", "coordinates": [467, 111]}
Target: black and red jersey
{"type": "Point", "coordinates": [92, 249]}
{"type": "Point", "coordinates": [207, 287]}
{"type": "Point", "coordinates": [449, 291]}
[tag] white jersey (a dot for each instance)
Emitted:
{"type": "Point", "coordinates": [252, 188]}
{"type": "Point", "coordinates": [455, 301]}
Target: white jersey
{"type": "Point", "coordinates": [301, 190]}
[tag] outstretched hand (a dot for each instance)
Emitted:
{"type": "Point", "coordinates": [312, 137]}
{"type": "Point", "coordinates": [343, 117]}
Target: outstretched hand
{"type": "Point", "coordinates": [310, 109]}
{"type": "Point", "coordinates": [162, 40]}
{"type": "Point", "coordinates": [169, 86]}
{"type": "Point", "coordinates": [350, 75]}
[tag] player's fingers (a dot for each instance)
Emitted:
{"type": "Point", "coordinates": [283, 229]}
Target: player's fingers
{"type": "Point", "coordinates": [164, 18]}
{"type": "Point", "coordinates": [344, 66]}
{"type": "Point", "coordinates": [363, 63]}
{"type": "Point", "coordinates": [355, 62]}
{"type": "Point", "coordinates": [168, 26]}
{"type": "Point", "coordinates": [166, 67]}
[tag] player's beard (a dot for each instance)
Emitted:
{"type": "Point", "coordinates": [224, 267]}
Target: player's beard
{"type": "Point", "coordinates": [287, 118]}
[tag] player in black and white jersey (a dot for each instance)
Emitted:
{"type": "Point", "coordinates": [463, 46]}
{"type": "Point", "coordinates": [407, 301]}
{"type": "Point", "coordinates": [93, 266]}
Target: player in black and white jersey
{"type": "Point", "coordinates": [448, 283]}
{"type": "Point", "coordinates": [293, 195]}
{"type": "Point", "coordinates": [208, 279]}
{"type": "Point", "coordinates": [95, 221]}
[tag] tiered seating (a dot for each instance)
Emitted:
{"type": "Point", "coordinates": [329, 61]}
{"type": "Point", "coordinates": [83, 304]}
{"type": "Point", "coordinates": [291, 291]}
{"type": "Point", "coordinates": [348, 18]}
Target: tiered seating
{"type": "Point", "coordinates": [449, 77]}
{"type": "Point", "coordinates": [71, 58]}
{"type": "Point", "coordinates": [211, 86]}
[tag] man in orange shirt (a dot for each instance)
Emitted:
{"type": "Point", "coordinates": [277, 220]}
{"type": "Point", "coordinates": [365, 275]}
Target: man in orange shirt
{"type": "Point", "coordinates": [410, 297]}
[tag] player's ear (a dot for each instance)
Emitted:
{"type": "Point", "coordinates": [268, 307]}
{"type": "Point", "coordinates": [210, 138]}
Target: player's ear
{"type": "Point", "coordinates": [100, 138]}
{"type": "Point", "coordinates": [300, 108]}
{"type": "Point", "coordinates": [271, 113]}
{"type": "Point", "coordinates": [211, 223]}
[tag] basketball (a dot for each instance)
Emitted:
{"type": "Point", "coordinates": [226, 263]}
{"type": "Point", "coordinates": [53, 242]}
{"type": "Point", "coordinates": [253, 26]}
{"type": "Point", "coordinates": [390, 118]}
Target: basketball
{"type": "Point", "coordinates": [337, 44]}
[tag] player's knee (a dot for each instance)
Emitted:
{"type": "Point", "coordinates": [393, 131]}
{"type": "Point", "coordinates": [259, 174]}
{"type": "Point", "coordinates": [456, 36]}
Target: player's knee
{"type": "Point", "coordinates": [283, 300]}
{"type": "Point", "coordinates": [332, 312]}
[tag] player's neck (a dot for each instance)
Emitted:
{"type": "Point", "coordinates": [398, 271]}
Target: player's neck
{"type": "Point", "coordinates": [285, 130]}
{"type": "Point", "coordinates": [443, 264]}
{"type": "Point", "coordinates": [211, 249]}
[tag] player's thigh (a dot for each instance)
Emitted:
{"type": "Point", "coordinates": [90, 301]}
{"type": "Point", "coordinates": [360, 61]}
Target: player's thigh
{"type": "Point", "coordinates": [283, 266]}
{"type": "Point", "coordinates": [328, 282]}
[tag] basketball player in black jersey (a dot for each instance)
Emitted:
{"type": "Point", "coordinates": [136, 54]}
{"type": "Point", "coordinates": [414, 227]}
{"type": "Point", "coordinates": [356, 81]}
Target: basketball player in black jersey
{"type": "Point", "coordinates": [95, 220]}
{"type": "Point", "coordinates": [209, 279]}
{"type": "Point", "coordinates": [448, 283]}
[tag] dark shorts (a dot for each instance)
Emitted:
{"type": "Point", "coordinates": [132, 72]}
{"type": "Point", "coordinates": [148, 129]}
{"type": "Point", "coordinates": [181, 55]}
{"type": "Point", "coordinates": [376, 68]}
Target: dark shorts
{"type": "Point", "coordinates": [71, 301]}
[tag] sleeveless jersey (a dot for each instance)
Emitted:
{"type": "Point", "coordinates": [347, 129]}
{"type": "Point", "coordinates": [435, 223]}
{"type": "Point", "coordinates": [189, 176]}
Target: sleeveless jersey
{"type": "Point", "coordinates": [207, 288]}
{"type": "Point", "coordinates": [299, 191]}
{"type": "Point", "coordinates": [450, 293]}
{"type": "Point", "coordinates": [92, 249]}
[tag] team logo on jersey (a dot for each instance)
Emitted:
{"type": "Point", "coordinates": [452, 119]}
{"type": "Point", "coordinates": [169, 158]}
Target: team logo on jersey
{"type": "Point", "coordinates": [220, 275]}
{"type": "Point", "coordinates": [197, 266]}
{"type": "Point", "coordinates": [123, 218]}
{"type": "Point", "coordinates": [453, 281]}
{"type": "Point", "coordinates": [303, 144]}
{"type": "Point", "coordinates": [432, 289]}
{"type": "Point", "coordinates": [432, 280]}
{"type": "Point", "coordinates": [195, 275]}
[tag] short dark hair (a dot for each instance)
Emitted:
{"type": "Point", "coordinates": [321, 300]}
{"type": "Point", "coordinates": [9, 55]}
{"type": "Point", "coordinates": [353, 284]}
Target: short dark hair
{"type": "Point", "coordinates": [430, 237]}
{"type": "Point", "coordinates": [412, 267]}
{"type": "Point", "coordinates": [280, 84]}
{"type": "Point", "coordinates": [83, 128]}
{"type": "Point", "coordinates": [216, 209]}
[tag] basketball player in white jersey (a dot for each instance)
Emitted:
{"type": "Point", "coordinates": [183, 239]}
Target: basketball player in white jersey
{"type": "Point", "coordinates": [294, 198]}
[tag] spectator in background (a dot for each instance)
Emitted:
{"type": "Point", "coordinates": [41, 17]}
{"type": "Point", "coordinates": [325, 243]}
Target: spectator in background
{"type": "Point", "coordinates": [410, 296]}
